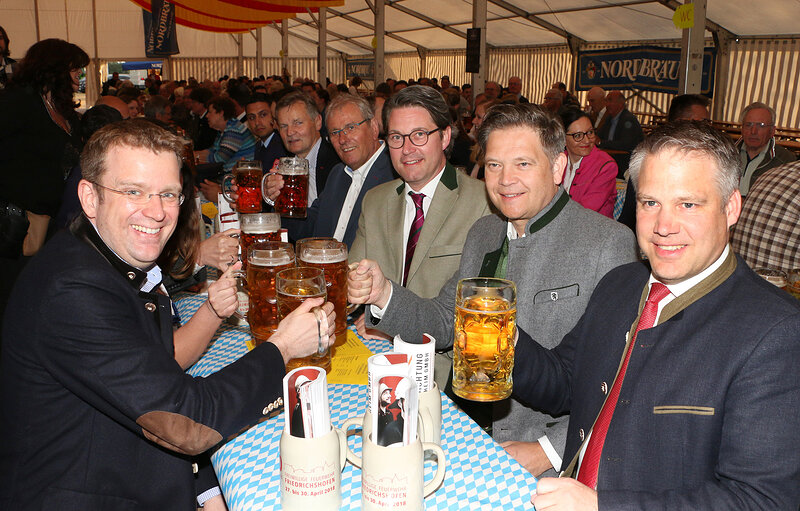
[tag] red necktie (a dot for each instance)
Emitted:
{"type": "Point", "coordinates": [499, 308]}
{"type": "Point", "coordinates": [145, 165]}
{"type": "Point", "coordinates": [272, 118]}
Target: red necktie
{"type": "Point", "coordinates": [413, 233]}
{"type": "Point", "coordinates": [591, 458]}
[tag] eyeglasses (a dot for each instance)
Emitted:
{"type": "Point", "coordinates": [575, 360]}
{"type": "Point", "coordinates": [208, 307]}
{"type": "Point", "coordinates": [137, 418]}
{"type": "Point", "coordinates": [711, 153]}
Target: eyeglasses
{"type": "Point", "coordinates": [348, 128]}
{"type": "Point", "coordinates": [758, 125]}
{"type": "Point", "coordinates": [140, 198]}
{"type": "Point", "coordinates": [416, 137]}
{"type": "Point", "coordinates": [578, 135]}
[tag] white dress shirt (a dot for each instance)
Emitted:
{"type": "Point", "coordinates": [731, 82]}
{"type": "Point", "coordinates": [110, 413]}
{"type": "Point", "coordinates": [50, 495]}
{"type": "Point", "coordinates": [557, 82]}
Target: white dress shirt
{"type": "Point", "coordinates": [357, 177]}
{"type": "Point", "coordinates": [312, 170]}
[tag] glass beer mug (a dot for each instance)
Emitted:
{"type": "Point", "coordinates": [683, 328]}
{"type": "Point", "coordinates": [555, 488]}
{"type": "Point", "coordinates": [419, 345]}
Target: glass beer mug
{"type": "Point", "coordinates": [330, 255]}
{"type": "Point", "coordinates": [483, 349]}
{"type": "Point", "coordinates": [258, 228]}
{"type": "Point", "coordinates": [266, 260]}
{"type": "Point", "coordinates": [248, 178]}
{"type": "Point", "coordinates": [294, 286]}
{"type": "Point", "coordinates": [293, 199]}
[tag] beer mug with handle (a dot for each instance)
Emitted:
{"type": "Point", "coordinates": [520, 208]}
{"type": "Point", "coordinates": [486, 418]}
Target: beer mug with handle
{"type": "Point", "coordinates": [483, 348]}
{"type": "Point", "coordinates": [248, 175]}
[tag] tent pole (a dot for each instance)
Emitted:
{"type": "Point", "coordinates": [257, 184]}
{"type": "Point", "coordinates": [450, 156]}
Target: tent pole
{"type": "Point", "coordinates": [692, 47]}
{"type": "Point", "coordinates": [284, 46]}
{"type": "Point", "coordinates": [379, 71]}
{"type": "Point", "coordinates": [259, 52]}
{"type": "Point", "coordinates": [239, 55]}
{"type": "Point", "coordinates": [93, 71]}
{"type": "Point", "coordinates": [479, 21]}
{"type": "Point", "coordinates": [36, 17]}
{"type": "Point", "coordinates": [322, 62]}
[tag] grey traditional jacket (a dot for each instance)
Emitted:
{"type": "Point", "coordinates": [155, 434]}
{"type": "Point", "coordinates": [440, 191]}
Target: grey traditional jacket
{"type": "Point", "coordinates": [566, 251]}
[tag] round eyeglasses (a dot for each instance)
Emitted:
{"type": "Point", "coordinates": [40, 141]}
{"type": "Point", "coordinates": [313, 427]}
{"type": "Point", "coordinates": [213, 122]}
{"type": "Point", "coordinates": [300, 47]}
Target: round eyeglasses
{"type": "Point", "coordinates": [416, 137]}
{"type": "Point", "coordinates": [578, 135]}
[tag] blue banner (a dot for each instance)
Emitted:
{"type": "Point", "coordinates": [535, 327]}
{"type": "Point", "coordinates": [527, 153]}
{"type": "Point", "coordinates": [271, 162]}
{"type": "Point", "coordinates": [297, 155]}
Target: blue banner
{"type": "Point", "coordinates": [639, 67]}
{"type": "Point", "coordinates": [160, 38]}
{"type": "Point", "coordinates": [363, 68]}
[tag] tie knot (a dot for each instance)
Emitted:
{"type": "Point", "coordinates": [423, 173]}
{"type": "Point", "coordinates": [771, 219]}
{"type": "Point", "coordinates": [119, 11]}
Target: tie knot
{"type": "Point", "coordinates": [658, 292]}
{"type": "Point", "coordinates": [417, 198]}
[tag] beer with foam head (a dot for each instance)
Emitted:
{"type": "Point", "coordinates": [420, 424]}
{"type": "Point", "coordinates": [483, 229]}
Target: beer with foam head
{"type": "Point", "coordinates": [483, 348]}
{"type": "Point", "coordinates": [331, 256]}
{"type": "Point", "coordinates": [248, 176]}
{"type": "Point", "coordinates": [266, 260]}
{"type": "Point", "coordinates": [293, 199]}
{"type": "Point", "coordinates": [294, 286]}
{"type": "Point", "coordinates": [258, 228]}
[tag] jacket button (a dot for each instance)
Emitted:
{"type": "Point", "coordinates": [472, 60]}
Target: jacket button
{"type": "Point", "coordinates": [195, 468]}
{"type": "Point", "coordinates": [279, 401]}
{"type": "Point", "coordinates": [581, 434]}
{"type": "Point", "coordinates": [131, 275]}
{"type": "Point", "coordinates": [604, 388]}
{"type": "Point", "coordinates": [150, 306]}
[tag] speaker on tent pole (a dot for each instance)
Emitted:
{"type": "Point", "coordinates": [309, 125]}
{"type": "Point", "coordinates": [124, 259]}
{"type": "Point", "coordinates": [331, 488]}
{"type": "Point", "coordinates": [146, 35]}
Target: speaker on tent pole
{"type": "Point", "coordinates": [473, 50]}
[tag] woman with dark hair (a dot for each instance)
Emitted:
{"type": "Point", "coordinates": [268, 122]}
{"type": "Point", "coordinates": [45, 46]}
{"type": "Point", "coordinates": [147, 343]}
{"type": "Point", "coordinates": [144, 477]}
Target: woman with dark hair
{"type": "Point", "coordinates": [235, 141]}
{"type": "Point", "coordinates": [591, 174]}
{"type": "Point", "coordinates": [40, 143]}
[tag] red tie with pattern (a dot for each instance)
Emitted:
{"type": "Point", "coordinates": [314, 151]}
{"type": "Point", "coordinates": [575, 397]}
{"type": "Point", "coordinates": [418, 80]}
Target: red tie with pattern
{"type": "Point", "coordinates": [591, 458]}
{"type": "Point", "coordinates": [413, 233]}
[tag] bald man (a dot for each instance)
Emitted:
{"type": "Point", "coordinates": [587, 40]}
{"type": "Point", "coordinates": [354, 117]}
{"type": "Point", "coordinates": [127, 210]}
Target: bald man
{"type": "Point", "coordinates": [115, 103]}
{"type": "Point", "coordinates": [596, 98]}
{"type": "Point", "coordinates": [621, 132]}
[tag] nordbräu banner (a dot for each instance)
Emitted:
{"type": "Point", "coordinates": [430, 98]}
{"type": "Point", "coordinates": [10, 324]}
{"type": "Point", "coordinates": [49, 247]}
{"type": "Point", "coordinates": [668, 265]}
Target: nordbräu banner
{"type": "Point", "coordinates": [639, 67]}
{"type": "Point", "coordinates": [160, 39]}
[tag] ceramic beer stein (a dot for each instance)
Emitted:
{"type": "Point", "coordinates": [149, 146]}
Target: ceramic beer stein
{"type": "Point", "coordinates": [311, 471]}
{"type": "Point", "coordinates": [430, 415]}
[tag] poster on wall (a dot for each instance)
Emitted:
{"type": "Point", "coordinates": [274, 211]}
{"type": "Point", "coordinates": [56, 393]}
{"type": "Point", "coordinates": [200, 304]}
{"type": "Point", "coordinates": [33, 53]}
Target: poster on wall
{"type": "Point", "coordinates": [160, 38]}
{"type": "Point", "coordinates": [641, 67]}
{"type": "Point", "coordinates": [363, 68]}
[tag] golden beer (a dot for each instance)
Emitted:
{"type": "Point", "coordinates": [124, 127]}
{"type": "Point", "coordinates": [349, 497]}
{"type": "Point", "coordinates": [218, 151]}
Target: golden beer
{"type": "Point", "coordinates": [266, 260]}
{"type": "Point", "coordinates": [294, 286]}
{"type": "Point", "coordinates": [258, 228]}
{"type": "Point", "coordinates": [329, 255]}
{"type": "Point", "coordinates": [483, 348]}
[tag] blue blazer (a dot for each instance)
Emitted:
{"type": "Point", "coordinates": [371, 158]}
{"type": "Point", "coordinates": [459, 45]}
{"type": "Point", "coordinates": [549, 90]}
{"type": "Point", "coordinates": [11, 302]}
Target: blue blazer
{"type": "Point", "coordinates": [273, 151]}
{"type": "Point", "coordinates": [707, 417]}
{"type": "Point", "coordinates": [323, 215]}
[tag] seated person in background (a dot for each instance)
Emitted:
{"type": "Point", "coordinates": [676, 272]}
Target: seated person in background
{"type": "Point", "coordinates": [620, 132]}
{"type": "Point", "coordinates": [757, 149]}
{"type": "Point", "coordinates": [159, 109]}
{"type": "Point", "coordinates": [596, 106]}
{"type": "Point", "coordinates": [767, 234]}
{"type": "Point", "coordinates": [555, 251]}
{"type": "Point", "coordinates": [96, 413]}
{"type": "Point", "coordinates": [590, 177]}
{"type": "Point", "coordinates": [365, 164]}
{"type": "Point", "coordinates": [269, 146]}
{"type": "Point", "coordinates": [234, 142]}
{"type": "Point", "coordinates": [553, 100]}
{"type": "Point", "coordinates": [692, 107]}
{"type": "Point", "coordinates": [130, 96]}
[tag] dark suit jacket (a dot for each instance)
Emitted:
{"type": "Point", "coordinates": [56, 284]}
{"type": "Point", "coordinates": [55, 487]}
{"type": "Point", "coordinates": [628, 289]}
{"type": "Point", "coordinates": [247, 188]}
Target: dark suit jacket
{"type": "Point", "coordinates": [323, 215]}
{"type": "Point", "coordinates": [707, 417]}
{"type": "Point", "coordinates": [326, 160]}
{"type": "Point", "coordinates": [627, 136]}
{"type": "Point", "coordinates": [273, 151]}
{"type": "Point", "coordinates": [96, 413]}
{"type": "Point", "coordinates": [206, 135]}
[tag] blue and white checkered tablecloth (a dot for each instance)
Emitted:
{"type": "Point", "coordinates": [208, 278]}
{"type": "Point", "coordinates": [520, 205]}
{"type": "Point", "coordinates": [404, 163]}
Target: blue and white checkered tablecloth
{"type": "Point", "coordinates": [480, 475]}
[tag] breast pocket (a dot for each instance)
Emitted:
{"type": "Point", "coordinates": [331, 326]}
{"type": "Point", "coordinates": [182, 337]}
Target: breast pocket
{"type": "Point", "coordinates": [445, 251]}
{"type": "Point", "coordinates": [683, 409]}
{"type": "Point", "coordinates": [556, 294]}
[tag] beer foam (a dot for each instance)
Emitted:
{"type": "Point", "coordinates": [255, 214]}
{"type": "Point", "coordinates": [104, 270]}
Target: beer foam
{"type": "Point", "coordinates": [270, 259]}
{"type": "Point", "coordinates": [293, 171]}
{"type": "Point", "coordinates": [260, 223]}
{"type": "Point", "coordinates": [323, 256]}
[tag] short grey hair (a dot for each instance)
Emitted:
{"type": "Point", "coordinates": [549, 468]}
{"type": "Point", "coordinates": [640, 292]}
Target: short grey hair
{"type": "Point", "coordinates": [756, 106]}
{"type": "Point", "coordinates": [688, 137]}
{"type": "Point", "coordinates": [342, 100]}
{"type": "Point", "coordinates": [297, 97]}
{"type": "Point", "coordinates": [528, 116]}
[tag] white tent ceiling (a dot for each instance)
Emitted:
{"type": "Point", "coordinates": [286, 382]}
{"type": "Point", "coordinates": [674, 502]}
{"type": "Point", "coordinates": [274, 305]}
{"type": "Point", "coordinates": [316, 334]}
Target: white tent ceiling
{"type": "Point", "coordinates": [410, 25]}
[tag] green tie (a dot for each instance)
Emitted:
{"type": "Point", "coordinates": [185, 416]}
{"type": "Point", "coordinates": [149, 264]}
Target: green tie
{"type": "Point", "coordinates": [502, 263]}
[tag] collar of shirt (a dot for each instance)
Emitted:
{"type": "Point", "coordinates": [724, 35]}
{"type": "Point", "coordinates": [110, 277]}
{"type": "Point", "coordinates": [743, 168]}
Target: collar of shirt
{"type": "Point", "coordinates": [511, 233]}
{"type": "Point", "coordinates": [569, 175]}
{"type": "Point", "coordinates": [241, 117]}
{"type": "Point", "coordinates": [361, 172]}
{"type": "Point", "coordinates": [154, 275]}
{"type": "Point", "coordinates": [312, 157]}
{"type": "Point", "coordinates": [429, 189]}
{"type": "Point", "coordinates": [600, 115]}
{"type": "Point", "coordinates": [681, 287]}
{"type": "Point", "coordinates": [267, 140]}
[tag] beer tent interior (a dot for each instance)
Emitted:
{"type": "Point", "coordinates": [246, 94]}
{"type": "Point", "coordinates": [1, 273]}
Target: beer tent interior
{"type": "Point", "coordinates": [758, 44]}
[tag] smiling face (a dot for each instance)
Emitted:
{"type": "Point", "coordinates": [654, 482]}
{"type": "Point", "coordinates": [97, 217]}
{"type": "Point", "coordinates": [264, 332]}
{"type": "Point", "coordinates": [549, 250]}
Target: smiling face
{"type": "Point", "coordinates": [259, 119]}
{"type": "Point", "coordinates": [520, 180]}
{"type": "Point", "coordinates": [681, 220]}
{"type": "Point", "coordinates": [298, 130]}
{"type": "Point", "coordinates": [417, 165]}
{"type": "Point", "coordinates": [356, 147]}
{"type": "Point", "coordinates": [580, 149]}
{"type": "Point", "coordinates": [136, 233]}
{"type": "Point", "coordinates": [75, 76]}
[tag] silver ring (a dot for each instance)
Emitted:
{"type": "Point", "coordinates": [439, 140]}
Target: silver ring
{"type": "Point", "coordinates": [269, 201]}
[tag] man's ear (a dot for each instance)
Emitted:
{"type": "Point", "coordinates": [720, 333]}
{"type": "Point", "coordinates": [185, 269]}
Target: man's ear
{"type": "Point", "coordinates": [87, 194]}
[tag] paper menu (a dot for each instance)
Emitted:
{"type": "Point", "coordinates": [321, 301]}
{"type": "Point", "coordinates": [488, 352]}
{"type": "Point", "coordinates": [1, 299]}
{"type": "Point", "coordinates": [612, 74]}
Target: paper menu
{"type": "Point", "coordinates": [305, 401]}
{"type": "Point", "coordinates": [421, 359]}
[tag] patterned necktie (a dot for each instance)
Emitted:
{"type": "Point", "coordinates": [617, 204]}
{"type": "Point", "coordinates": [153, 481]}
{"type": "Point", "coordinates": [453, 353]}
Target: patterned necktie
{"type": "Point", "coordinates": [591, 458]}
{"type": "Point", "coordinates": [413, 233]}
